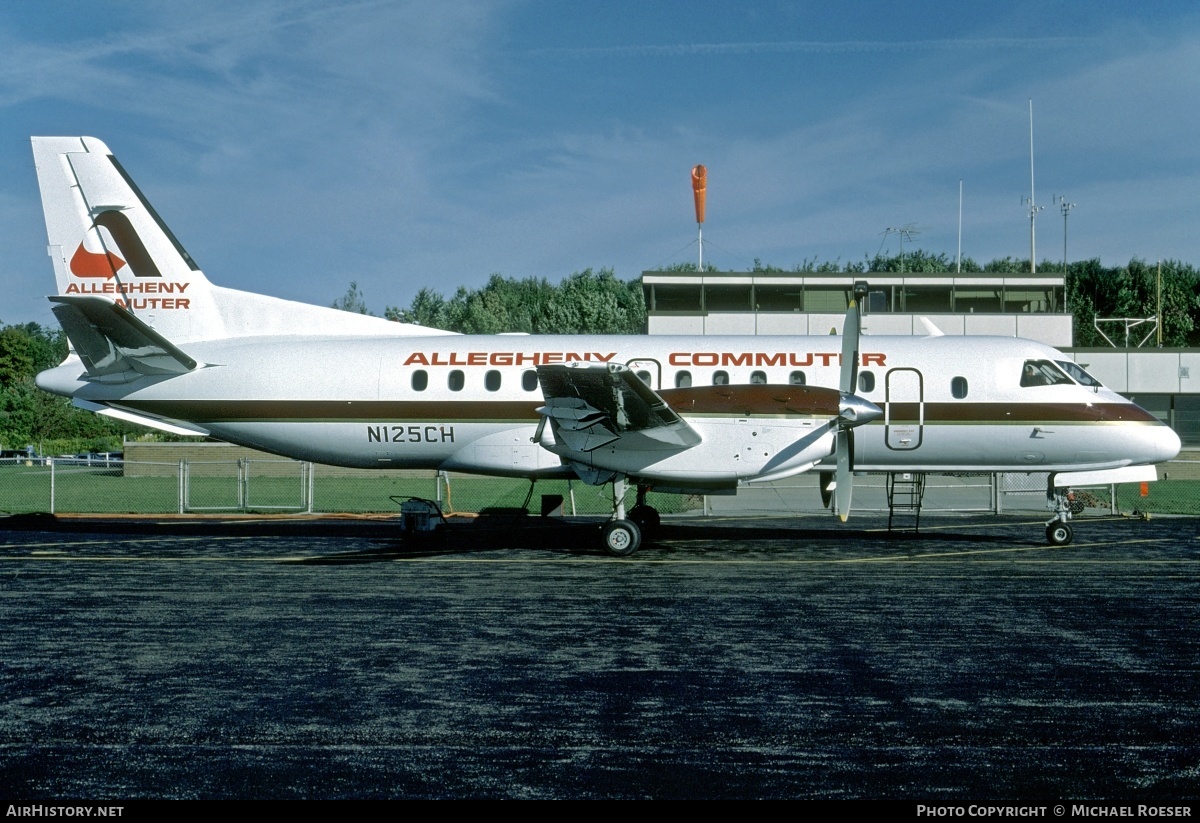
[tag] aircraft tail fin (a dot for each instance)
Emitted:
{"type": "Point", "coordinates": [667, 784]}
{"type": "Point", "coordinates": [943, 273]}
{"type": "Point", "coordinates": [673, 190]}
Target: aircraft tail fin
{"type": "Point", "coordinates": [108, 242]}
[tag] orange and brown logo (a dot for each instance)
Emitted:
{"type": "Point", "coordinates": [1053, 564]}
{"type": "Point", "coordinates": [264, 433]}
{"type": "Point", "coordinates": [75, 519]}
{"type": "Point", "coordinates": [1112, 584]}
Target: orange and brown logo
{"type": "Point", "coordinates": [86, 263]}
{"type": "Point", "coordinates": [117, 233]}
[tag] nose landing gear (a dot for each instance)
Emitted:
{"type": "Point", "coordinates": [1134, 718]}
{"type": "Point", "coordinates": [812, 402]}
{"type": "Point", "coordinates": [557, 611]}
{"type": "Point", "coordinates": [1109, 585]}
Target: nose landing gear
{"type": "Point", "coordinates": [1059, 534]}
{"type": "Point", "coordinates": [1062, 501]}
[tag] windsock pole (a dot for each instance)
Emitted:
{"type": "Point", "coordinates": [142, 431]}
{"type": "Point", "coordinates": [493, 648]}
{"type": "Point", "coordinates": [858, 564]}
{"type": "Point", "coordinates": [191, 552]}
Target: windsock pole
{"type": "Point", "coordinates": [699, 187]}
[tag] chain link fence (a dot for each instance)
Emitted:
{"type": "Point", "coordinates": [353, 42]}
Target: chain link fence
{"type": "Point", "coordinates": [65, 485]}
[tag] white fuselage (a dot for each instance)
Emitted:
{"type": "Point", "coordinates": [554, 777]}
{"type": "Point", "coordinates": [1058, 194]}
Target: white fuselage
{"type": "Point", "coordinates": [469, 403]}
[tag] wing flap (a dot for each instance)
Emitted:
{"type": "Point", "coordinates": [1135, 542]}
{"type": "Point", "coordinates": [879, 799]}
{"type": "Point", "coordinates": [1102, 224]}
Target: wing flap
{"type": "Point", "coordinates": [579, 426]}
{"type": "Point", "coordinates": [590, 407]}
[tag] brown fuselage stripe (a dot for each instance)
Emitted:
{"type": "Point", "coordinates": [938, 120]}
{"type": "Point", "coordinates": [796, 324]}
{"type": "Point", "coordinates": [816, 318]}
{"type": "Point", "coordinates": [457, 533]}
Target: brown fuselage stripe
{"type": "Point", "coordinates": [508, 411]}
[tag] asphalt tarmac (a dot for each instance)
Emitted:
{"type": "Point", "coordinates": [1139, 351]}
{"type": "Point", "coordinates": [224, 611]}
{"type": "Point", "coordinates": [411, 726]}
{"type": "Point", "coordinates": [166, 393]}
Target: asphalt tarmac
{"type": "Point", "coordinates": [732, 658]}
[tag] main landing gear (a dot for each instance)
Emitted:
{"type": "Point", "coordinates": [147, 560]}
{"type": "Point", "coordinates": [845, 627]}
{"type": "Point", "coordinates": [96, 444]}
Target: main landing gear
{"type": "Point", "coordinates": [645, 516]}
{"type": "Point", "coordinates": [623, 534]}
{"type": "Point", "coordinates": [1061, 500]}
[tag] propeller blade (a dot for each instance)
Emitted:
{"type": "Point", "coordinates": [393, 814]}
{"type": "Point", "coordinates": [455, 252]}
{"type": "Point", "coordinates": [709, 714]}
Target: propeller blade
{"type": "Point", "coordinates": [850, 334]}
{"type": "Point", "coordinates": [852, 409]}
{"type": "Point", "coordinates": [845, 473]}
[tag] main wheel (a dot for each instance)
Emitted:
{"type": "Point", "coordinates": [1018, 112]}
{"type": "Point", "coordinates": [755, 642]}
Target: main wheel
{"type": "Point", "coordinates": [621, 538]}
{"type": "Point", "coordinates": [1059, 534]}
{"type": "Point", "coordinates": [646, 518]}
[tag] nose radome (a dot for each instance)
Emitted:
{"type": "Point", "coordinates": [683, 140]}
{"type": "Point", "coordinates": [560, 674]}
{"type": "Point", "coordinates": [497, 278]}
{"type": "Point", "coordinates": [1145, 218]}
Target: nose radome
{"type": "Point", "coordinates": [1166, 443]}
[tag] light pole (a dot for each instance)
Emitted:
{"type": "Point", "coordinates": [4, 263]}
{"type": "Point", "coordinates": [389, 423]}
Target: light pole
{"type": "Point", "coordinates": [1033, 209]}
{"type": "Point", "coordinates": [1065, 208]}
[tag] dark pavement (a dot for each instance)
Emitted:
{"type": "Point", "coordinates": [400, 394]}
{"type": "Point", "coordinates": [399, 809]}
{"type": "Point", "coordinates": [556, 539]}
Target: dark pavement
{"type": "Point", "coordinates": [732, 658]}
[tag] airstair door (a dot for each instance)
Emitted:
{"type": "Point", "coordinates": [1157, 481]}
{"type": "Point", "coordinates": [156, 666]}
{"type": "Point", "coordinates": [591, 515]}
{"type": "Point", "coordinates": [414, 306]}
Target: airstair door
{"type": "Point", "coordinates": [904, 411]}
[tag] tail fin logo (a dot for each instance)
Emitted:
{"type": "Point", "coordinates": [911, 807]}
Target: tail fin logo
{"type": "Point", "coordinates": [115, 231]}
{"type": "Point", "coordinates": [86, 263]}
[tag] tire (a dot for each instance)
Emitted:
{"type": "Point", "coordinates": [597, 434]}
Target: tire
{"type": "Point", "coordinates": [621, 538]}
{"type": "Point", "coordinates": [646, 518]}
{"type": "Point", "coordinates": [1059, 534]}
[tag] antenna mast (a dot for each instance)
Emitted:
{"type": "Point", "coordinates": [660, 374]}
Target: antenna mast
{"type": "Point", "coordinates": [905, 231]}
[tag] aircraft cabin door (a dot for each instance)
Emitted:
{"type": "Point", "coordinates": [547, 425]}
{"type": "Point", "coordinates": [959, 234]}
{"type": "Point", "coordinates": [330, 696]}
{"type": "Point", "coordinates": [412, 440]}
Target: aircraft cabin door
{"type": "Point", "coordinates": [904, 412]}
{"type": "Point", "coordinates": [649, 371]}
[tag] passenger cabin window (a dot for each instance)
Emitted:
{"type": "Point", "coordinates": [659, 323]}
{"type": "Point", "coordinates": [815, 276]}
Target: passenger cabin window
{"type": "Point", "coordinates": [866, 381]}
{"type": "Point", "coordinates": [456, 380]}
{"type": "Point", "coordinates": [529, 380]}
{"type": "Point", "coordinates": [1042, 373]}
{"type": "Point", "coordinates": [721, 378]}
{"type": "Point", "coordinates": [644, 376]}
{"type": "Point", "coordinates": [420, 380]}
{"type": "Point", "coordinates": [958, 387]}
{"type": "Point", "coordinates": [491, 380]}
{"type": "Point", "coordinates": [683, 380]}
{"type": "Point", "coordinates": [758, 378]}
{"type": "Point", "coordinates": [796, 378]}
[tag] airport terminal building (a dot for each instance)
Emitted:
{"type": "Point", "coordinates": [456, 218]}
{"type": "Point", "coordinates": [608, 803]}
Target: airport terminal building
{"type": "Point", "coordinates": [1163, 381]}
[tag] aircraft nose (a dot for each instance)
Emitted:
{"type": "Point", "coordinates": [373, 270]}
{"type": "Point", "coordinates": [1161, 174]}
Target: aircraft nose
{"type": "Point", "coordinates": [1166, 444]}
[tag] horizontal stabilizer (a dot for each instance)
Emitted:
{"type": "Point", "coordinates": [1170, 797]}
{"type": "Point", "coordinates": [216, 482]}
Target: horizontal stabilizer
{"type": "Point", "coordinates": [172, 426]}
{"type": "Point", "coordinates": [113, 343]}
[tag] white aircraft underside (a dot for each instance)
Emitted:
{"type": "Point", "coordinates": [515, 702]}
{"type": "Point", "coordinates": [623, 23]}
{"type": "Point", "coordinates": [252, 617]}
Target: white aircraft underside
{"type": "Point", "coordinates": [154, 342]}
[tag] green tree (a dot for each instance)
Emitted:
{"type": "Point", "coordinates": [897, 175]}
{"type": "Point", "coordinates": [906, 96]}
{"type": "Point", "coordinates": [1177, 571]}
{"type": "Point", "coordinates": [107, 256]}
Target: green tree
{"type": "Point", "coordinates": [586, 302]}
{"type": "Point", "coordinates": [29, 415]}
{"type": "Point", "coordinates": [352, 301]}
{"type": "Point", "coordinates": [428, 309]}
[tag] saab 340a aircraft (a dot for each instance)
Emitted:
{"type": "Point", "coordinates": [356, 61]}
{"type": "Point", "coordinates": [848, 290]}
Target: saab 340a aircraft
{"type": "Point", "coordinates": [155, 343]}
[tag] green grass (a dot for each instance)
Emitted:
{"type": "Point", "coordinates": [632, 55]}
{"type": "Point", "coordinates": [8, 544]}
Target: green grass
{"type": "Point", "coordinates": [93, 490]}
{"type": "Point", "coordinates": [83, 490]}
{"type": "Point", "coordinates": [1165, 496]}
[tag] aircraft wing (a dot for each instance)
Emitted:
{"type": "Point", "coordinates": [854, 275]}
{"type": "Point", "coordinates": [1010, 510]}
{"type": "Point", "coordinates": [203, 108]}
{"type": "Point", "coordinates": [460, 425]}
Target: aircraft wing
{"type": "Point", "coordinates": [590, 407]}
{"type": "Point", "coordinates": [113, 343]}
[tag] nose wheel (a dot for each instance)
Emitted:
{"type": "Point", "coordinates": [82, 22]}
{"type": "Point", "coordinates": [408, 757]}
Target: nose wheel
{"type": "Point", "coordinates": [1059, 534]}
{"type": "Point", "coordinates": [1062, 501]}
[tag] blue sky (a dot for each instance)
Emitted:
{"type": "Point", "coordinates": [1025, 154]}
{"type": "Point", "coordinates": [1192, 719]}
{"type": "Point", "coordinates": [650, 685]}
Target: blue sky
{"type": "Point", "coordinates": [296, 146]}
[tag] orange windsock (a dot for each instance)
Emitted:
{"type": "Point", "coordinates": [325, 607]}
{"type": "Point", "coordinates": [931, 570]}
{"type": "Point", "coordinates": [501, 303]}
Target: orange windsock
{"type": "Point", "coordinates": [699, 185]}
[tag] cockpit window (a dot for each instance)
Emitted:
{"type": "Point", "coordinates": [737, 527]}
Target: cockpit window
{"type": "Point", "coordinates": [1042, 373]}
{"type": "Point", "coordinates": [1078, 374]}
